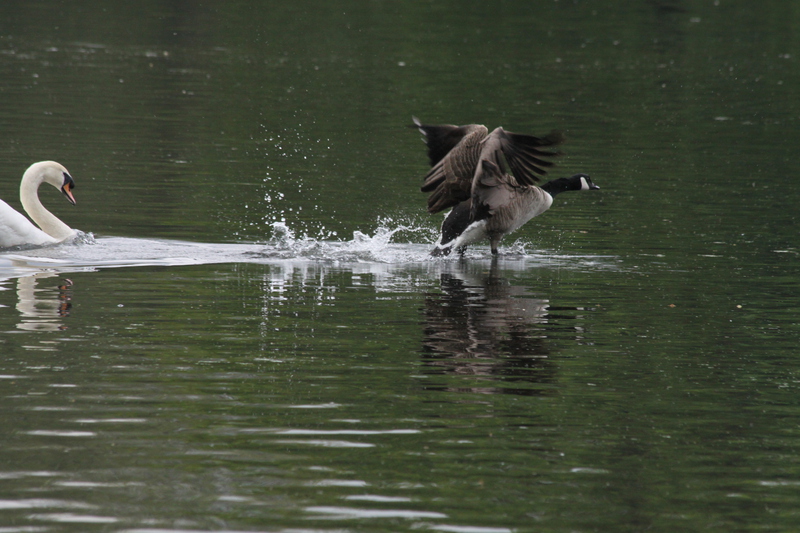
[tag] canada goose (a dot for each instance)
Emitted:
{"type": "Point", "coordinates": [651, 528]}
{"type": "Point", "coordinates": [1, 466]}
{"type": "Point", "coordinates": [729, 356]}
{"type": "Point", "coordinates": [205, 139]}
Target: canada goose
{"type": "Point", "coordinates": [470, 173]}
{"type": "Point", "coordinates": [15, 229]}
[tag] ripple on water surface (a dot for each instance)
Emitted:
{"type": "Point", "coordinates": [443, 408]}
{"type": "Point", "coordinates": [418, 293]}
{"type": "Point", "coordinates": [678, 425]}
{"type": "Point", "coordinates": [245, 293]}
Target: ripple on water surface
{"type": "Point", "coordinates": [284, 247]}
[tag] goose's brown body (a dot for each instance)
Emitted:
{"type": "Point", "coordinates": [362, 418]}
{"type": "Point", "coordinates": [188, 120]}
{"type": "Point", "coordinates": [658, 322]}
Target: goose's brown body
{"type": "Point", "coordinates": [489, 179]}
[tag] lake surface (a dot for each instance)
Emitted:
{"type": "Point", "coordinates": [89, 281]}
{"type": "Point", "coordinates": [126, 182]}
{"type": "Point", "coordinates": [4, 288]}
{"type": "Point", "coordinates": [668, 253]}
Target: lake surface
{"type": "Point", "coordinates": [251, 336]}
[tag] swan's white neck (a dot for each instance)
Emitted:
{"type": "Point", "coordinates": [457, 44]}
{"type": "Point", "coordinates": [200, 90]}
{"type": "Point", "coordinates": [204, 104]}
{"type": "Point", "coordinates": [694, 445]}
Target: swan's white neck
{"type": "Point", "coordinates": [29, 196]}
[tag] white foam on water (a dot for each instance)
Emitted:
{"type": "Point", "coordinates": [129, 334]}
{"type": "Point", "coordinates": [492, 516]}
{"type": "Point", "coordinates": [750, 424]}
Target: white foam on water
{"type": "Point", "coordinates": [375, 252]}
{"type": "Point", "coordinates": [363, 247]}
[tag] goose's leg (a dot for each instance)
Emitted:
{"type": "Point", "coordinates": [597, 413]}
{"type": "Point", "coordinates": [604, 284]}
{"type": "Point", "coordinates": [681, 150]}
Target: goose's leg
{"type": "Point", "coordinates": [493, 242]}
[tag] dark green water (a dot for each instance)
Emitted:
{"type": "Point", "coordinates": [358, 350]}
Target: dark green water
{"type": "Point", "coordinates": [630, 363]}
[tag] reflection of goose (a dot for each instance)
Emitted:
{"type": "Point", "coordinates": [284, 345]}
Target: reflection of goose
{"type": "Point", "coordinates": [481, 314]}
{"type": "Point", "coordinates": [484, 327]}
{"type": "Point", "coordinates": [489, 181]}
{"type": "Point", "coordinates": [15, 229]}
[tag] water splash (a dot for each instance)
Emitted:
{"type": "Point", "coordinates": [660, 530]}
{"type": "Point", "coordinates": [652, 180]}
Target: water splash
{"type": "Point", "coordinates": [378, 247]}
{"type": "Point", "coordinates": [395, 254]}
{"type": "Point", "coordinates": [83, 238]}
{"type": "Point", "coordinates": [79, 239]}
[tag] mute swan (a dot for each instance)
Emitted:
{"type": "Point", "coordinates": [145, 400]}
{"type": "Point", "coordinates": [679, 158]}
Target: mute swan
{"type": "Point", "coordinates": [15, 229]}
{"type": "Point", "coordinates": [489, 181]}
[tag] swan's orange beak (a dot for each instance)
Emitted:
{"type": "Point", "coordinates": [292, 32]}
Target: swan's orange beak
{"type": "Point", "coordinates": [66, 190]}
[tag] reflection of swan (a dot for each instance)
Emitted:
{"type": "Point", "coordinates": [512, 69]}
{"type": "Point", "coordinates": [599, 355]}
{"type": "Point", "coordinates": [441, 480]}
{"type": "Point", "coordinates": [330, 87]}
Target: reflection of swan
{"type": "Point", "coordinates": [42, 309]}
{"type": "Point", "coordinates": [15, 229]}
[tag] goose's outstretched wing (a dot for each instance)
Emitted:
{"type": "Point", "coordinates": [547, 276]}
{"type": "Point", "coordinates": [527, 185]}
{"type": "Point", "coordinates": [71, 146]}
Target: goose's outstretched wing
{"type": "Point", "coordinates": [442, 138]}
{"type": "Point", "coordinates": [524, 156]}
{"type": "Point", "coordinates": [454, 152]}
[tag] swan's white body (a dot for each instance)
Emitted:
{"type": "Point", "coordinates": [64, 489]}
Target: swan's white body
{"type": "Point", "coordinates": [16, 230]}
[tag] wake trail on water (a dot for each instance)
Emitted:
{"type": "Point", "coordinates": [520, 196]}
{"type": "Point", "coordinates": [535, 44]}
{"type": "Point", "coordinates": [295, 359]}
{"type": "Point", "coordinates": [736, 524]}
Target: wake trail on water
{"type": "Point", "coordinates": [284, 248]}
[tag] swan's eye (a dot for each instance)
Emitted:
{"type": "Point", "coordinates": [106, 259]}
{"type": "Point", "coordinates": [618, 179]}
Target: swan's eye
{"type": "Point", "coordinates": [68, 180]}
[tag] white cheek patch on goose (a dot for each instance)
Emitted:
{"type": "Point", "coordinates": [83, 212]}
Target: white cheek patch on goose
{"type": "Point", "coordinates": [584, 184]}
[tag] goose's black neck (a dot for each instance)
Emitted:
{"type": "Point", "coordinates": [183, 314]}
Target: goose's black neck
{"type": "Point", "coordinates": [557, 186]}
{"type": "Point", "coordinates": [572, 183]}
